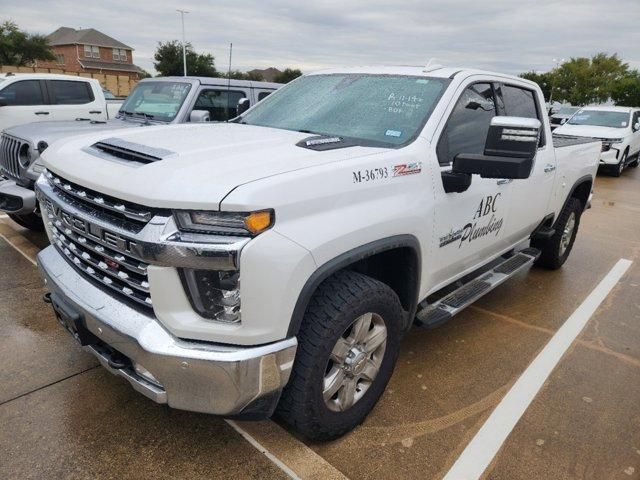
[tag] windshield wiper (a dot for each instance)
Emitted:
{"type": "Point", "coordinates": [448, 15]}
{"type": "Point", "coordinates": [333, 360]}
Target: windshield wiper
{"type": "Point", "coordinates": [146, 116]}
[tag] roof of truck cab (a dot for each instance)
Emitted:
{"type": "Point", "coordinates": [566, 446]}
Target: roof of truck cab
{"type": "Point", "coordinates": [217, 81]}
{"type": "Point", "coordinates": [43, 76]}
{"type": "Point", "coordinates": [422, 71]}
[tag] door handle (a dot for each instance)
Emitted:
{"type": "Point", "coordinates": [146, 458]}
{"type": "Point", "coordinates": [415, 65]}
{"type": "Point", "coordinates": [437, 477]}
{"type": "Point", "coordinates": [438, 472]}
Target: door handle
{"type": "Point", "coordinates": [97, 112]}
{"type": "Point", "coordinates": [549, 168]}
{"type": "Point", "coordinates": [42, 113]}
{"type": "Point", "coordinates": [504, 181]}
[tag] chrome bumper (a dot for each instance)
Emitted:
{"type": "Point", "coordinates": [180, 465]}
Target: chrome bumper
{"type": "Point", "coordinates": [197, 376]}
{"type": "Point", "coordinates": [16, 199]}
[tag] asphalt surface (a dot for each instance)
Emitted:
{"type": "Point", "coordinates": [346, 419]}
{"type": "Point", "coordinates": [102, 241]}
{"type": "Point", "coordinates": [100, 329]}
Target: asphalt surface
{"type": "Point", "coordinates": [62, 416]}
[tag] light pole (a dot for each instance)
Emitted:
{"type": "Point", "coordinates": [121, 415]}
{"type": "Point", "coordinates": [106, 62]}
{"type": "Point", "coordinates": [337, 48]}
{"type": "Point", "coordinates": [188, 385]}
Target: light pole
{"type": "Point", "coordinates": [184, 47]}
{"type": "Point", "coordinates": [557, 62]}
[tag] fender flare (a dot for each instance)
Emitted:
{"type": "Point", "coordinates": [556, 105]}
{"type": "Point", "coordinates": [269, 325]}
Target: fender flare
{"type": "Point", "coordinates": [348, 258]}
{"type": "Point", "coordinates": [580, 181]}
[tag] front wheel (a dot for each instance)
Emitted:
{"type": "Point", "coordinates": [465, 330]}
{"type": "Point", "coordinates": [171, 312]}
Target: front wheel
{"type": "Point", "coordinates": [347, 348]}
{"type": "Point", "coordinates": [556, 250]}
{"type": "Point", "coordinates": [620, 167]}
{"type": "Point", "coordinates": [32, 221]}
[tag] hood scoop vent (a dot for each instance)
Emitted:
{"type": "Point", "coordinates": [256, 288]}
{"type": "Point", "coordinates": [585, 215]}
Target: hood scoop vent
{"type": "Point", "coordinates": [132, 152]}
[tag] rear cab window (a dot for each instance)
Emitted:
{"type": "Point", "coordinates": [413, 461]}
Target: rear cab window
{"type": "Point", "coordinates": [521, 102]}
{"type": "Point", "coordinates": [70, 92]}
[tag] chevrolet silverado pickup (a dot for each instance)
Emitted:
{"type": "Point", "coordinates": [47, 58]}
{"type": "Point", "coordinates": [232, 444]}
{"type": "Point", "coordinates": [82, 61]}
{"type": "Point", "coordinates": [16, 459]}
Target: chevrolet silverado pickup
{"type": "Point", "coordinates": [272, 264]}
{"type": "Point", "coordinates": [156, 101]}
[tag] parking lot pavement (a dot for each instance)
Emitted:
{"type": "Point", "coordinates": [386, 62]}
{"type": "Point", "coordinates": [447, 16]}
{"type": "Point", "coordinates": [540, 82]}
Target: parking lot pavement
{"type": "Point", "coordinates": [80, 421]}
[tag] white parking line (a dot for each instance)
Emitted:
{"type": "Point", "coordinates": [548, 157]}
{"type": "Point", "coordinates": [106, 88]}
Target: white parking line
{"type": "Point", "coordinates": [18, 249]}
{"type": "Point", "coordinates": [479, 453]}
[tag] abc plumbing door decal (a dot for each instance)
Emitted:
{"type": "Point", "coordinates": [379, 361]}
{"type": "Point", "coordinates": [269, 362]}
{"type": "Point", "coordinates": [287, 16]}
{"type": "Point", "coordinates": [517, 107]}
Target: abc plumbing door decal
{"type": "Point", "coordinates": [486, 221]}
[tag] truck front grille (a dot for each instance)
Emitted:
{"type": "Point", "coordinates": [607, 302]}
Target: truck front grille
{"type": "Point", "coordinates": [97, 252]}
{"type": "Point", "coordinates": [10, 156]}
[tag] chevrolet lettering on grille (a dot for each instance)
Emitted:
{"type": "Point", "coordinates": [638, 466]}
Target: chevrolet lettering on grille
{"type": "Point", "coordinates": [92, 230]}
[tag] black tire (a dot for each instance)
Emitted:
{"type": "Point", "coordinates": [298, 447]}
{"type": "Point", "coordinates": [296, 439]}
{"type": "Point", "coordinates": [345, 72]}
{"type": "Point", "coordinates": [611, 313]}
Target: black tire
{"type": "Point", "coordinates": [554, 252]}
{"type": "Point", "coordinates": [32, 221]}
{"type": "Point", "coordinates": [619, 168]}
{"type": "Point", "coordinates": [634, 164]}
{"type": "Point", "coordinates": [338, 302]}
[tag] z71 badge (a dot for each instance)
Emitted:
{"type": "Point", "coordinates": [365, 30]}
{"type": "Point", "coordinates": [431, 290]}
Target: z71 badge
{"type": "Point", "coordinates": [407, 169]}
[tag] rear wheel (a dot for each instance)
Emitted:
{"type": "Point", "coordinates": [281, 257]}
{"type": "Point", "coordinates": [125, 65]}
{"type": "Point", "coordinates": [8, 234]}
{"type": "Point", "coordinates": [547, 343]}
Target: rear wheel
{"type": "Point", "coordinates": [634, 164]}
{"type": "Point", "coordinates": [556, 250]}
{"type": "Point", "coordinates": [32, 221]}
{"type": "Point", "coordinates": [347, 348]}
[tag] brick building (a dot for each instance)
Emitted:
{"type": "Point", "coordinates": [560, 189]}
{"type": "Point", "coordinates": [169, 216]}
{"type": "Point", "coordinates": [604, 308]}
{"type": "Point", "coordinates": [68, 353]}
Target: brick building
{"type": "Point", "coordinates": [90, 51]}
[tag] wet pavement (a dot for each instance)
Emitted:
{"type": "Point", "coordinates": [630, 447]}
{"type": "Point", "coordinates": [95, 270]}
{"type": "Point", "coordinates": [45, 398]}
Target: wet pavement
{"type": "Point", "coordinates": [63, 417]}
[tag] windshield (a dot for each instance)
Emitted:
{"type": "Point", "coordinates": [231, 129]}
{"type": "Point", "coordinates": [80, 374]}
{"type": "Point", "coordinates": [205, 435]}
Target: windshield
{"type": "Point", "coordinates": [600, 118]}
{"type": "Point", "coordinates": [383, 110]}
{"type": "Point", "coordinates": [567, 110]}
{"type": "Point", "coordinates": [156, 100]}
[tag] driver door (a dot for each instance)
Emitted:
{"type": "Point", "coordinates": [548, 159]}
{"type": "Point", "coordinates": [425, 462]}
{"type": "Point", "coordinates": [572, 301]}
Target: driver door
{"type": "Point", "coordinates": [469, 225]}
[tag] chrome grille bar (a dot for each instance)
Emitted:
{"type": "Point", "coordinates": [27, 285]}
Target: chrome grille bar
{"type": "Point", "coordinates": [9, 155]}
{"type": "Point", "coordinates": [129, 210]}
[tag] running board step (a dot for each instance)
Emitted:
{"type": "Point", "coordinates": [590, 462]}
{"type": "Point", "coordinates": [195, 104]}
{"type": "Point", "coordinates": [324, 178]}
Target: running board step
{"type": "Point", "coordinates": [444, 309]}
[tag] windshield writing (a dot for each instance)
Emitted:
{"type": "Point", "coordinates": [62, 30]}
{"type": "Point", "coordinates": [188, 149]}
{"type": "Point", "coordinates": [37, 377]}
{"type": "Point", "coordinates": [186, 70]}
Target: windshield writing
{"type": "Point", "coordinates": [385, 110]}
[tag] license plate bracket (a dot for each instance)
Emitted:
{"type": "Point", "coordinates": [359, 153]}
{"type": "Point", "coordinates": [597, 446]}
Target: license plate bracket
{"type": "Point", "coordinates": [72, 320]}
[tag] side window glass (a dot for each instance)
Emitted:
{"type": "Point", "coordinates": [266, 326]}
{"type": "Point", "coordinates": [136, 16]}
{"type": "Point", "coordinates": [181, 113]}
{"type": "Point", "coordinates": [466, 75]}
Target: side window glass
{"type": "Point", "coordinates": [468, 124]}
{"type": "Point", "coordinates": [221, 104]}
{"type": "Point", "coordinates": [262, 95]}
{"type": "Point", "coordinates": [66, 92]}
{"type": "Point", "coordinates": [520, 102]}
{"type": "Point", "coordinates": [25, 92]}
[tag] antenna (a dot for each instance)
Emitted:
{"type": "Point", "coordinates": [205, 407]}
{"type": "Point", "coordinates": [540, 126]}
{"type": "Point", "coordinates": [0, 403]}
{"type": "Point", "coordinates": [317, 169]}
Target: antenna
{"type": "Point", "coordinates": [431, 65]}
{"type": "Point", "coordinates": [229, 82]}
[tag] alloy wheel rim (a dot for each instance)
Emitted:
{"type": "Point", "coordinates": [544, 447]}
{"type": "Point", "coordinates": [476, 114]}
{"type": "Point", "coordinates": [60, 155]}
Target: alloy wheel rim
{"type": "Point", "coordinates": [354, 362]}
{"type": "Point", "coordinates": [567, 233]}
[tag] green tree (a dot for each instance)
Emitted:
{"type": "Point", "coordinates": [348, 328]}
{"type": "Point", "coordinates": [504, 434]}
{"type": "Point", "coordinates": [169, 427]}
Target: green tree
{"type": "Point", "coordinates": [544, 80]}
{"type": "Point", "coordinates": [19, 48]}
{"type": "Point", "coordinates": [288, 75]}
{"type": "Point", "coordinates": [582, 81]}
{"type": "Point", "coordinates": [168, 61]}
{"type": "Point", "coordinates": [238, 75]}
{"type": "Point", "coordinates": [626, 91]}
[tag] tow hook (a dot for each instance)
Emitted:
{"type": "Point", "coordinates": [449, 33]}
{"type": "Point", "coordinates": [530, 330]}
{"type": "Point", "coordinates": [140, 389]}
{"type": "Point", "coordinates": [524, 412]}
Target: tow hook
{"type": "Point", "coordinates": [46, 298]}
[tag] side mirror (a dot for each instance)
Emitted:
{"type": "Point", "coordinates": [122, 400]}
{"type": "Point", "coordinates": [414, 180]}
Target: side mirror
{"type": "Point", "coordinates": [243, 105]}
{"type": "Point", "coordinates": [199, 116]}
{"type": "Point", "coordinates": [511, 146]}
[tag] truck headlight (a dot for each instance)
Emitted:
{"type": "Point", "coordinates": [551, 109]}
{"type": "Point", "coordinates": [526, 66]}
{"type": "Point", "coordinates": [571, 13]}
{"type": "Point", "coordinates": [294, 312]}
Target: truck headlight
{"type": "Point", "coordinates": [214, 294]}
{"type": "Point", "coordinates": [225, 223]}
{"type": "Point", "coordinates": [607, 144]}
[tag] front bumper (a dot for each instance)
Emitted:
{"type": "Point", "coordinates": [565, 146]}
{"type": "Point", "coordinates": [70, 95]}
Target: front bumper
{"type": "Point", "coordinates": [16, 199]}
{"type": "Point", "coordinates": [197, 376]}
{"type": "Point", "coordinates": [610, 157]}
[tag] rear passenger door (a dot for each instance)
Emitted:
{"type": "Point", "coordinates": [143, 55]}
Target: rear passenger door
{"type": "Point", "coordinates": [469, 226]}
{"type": "Point", "coordinates": [530, 197]}
{"type": "Point", "coordinates": [71, 99]}
{"type": "Point", "coordinates": [23, 101]}
{"type": "Point", "coordinates": [222, 104]}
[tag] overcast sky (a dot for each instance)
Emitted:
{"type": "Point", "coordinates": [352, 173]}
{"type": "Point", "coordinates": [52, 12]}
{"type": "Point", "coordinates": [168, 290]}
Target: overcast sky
{"type": "Point", "coordinates": [504, 35]}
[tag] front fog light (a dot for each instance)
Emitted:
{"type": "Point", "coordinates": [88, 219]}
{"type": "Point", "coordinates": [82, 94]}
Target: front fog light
{"type": "Point", "coordinates": [214, 294]}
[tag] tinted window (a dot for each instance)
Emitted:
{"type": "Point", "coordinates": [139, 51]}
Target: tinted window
{"type": "Point", "coordinates": [68, 92]}
{"type": "Point", "coordinates": [25, 92]}
{"type": "Point", "coordinates": [262, 95]}
{"type": "Point", "coordinates": [467, 127]}
{"type": "Point", "coordinates": [519, 102]}
{"type": "Point", "coordinates": [221, 104]}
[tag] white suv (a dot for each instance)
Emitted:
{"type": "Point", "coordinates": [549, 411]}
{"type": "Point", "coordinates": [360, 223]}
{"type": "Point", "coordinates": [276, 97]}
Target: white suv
{"type": "Point", "coordinates": [617, 127]}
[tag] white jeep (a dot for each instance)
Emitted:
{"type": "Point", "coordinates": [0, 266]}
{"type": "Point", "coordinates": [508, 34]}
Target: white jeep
{"type": "Point", "coordinates": [273, 263]}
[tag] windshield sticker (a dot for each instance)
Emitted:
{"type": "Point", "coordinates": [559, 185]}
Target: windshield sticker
{"type": "Point", "coordinates": [393, 133]}
{"type": "Point", "coordinates": [486, 221]}
{"type": "Point", "coordinates": [624, 124]}
{"type": "Point", "coordinates": [407, 169]}
{"type": "Point", "coordinates": [424, 81]}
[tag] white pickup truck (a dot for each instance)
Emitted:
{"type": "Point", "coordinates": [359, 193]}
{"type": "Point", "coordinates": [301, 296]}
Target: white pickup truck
{"type": "Point", "coordinates": [39, 97]}
{"type": "Point", "coordinates": [154, 101]}
{"type": "Point", "coordinates": [274, 263]}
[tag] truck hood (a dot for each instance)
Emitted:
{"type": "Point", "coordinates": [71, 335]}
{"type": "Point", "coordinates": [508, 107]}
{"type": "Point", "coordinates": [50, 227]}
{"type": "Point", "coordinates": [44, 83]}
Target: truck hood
{"type": "Point", "coordinates": [590, 131]}
{"type": "Point", "coordinates": [52, 131]}
{"type": "Point", "coordinates": [198, 166]}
